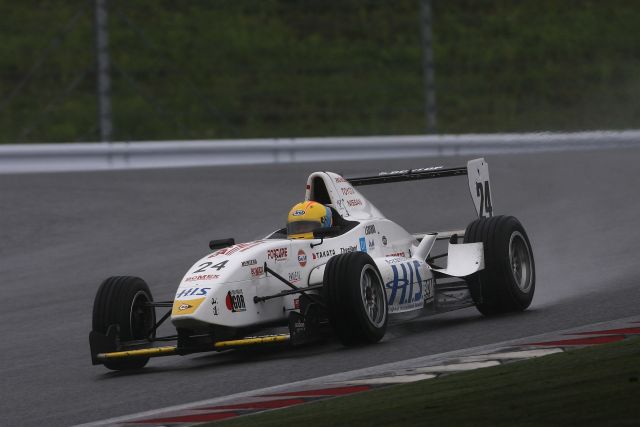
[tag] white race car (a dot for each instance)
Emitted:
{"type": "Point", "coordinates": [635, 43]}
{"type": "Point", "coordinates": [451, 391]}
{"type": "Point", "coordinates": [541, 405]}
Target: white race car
{"type": "Point", "coordinates": [347, 280]}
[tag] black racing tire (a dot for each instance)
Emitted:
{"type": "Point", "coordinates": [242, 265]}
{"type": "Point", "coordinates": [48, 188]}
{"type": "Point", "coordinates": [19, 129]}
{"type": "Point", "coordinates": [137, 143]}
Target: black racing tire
{"type": "Point", "coordinates": [121, 301]}
{"type": "Point", "coordinates": [356, 299]}
{"type": "Point", "coordinates": [508, 281]}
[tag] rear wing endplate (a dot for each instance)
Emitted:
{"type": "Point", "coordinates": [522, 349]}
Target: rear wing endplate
{"type": "Point", "coordinates": [477, 171]}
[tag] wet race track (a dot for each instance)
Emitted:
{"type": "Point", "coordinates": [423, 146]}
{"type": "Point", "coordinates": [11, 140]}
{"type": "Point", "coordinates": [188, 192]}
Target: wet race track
{"type": "Point", "coordinates": [62, 234]}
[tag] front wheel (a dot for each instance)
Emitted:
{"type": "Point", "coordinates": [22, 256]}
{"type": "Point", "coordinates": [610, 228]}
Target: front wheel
{"type": "Point", "coordinates": [508, 280]}
{"type": "Point", "coordinates": [356, 299]}
{"type": "Point", "coordinates": [124, 301]}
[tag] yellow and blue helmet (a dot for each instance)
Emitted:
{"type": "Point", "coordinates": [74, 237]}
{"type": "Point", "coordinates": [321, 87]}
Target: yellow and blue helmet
{"type": "Point", "coordinates": [305, 217]}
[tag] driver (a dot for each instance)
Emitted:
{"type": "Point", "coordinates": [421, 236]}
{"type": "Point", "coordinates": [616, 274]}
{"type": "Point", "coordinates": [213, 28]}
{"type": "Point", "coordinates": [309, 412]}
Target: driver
{"type": "Point", "coordinates": [305, 217]}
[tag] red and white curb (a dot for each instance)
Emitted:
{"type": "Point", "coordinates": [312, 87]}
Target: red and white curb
{"type": "Point", "coordinates": [346, 383]}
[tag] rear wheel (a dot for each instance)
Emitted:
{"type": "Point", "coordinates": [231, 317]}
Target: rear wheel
{"type": "Point", "coordinates": [508, 280]}
{"type": "Point", "coordinates": [123, 301]}
{"type": "Point", "coordinates": [356, 299]}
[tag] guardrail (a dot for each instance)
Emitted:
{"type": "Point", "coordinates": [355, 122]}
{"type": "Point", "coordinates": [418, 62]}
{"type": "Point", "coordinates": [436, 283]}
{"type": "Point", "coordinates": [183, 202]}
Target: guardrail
{"type": "Point", "coordinates": [161, 154]}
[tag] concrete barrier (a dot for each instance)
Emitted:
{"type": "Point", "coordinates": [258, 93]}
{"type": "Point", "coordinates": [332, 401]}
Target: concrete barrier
{"type": "Point", "coordinates": [160, 154]}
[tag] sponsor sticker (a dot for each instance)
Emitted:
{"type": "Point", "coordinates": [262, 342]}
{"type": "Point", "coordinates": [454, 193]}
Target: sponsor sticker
{"type": "Point", "coordinates": [340, 179]}
{"type": "Point", "coordinates": [240, 247]}
{"type": "Point", "coordinates": [278, 254]}
{"type": "Point", "coordinates": [182, 307]}
{"type": "Point", "coordinates": [214, 306]}
{"type": "Point", "coordinates": [369, 229]}
{"type": "Point", "coordinates": [406, 287]}
{"type": "Point", "coordinates": [257, 271]}
{"type": "Point", "coordinates": [363, 244]}
{"type": "Point", "coordinates": [354, 202]}
{"type": "Point", "coordinates": [294, 276]}
{"type": "Point", "coordinates": [348, 249]}
{"type": "Point", "coordinates": [192, 292]}
{"type": "Point", "coordinates": [397, 254]}
{"type": "Point", "coordinates": [298, 212]}
{"type": "Point", "coordinates": [324, 254]}
{"type": "Point", "coordinates": [405, 171]}
{"type": "Point", "coordinates": [302, 258]}
{"type": "Point", "coordinates": [201, 277]}
{"type": "Point", "coordinates": [384, 240]}
{"type": "Point", "coordinates": [296, 303]}
{"type": "Point", "coordinates": [347, 191]}
{"type": "Point", "coordinates": [249, 262]}
{"type": "Point", "coordinates": [372, 244]}
{"type": "Point", "coordinates": [235, 301]}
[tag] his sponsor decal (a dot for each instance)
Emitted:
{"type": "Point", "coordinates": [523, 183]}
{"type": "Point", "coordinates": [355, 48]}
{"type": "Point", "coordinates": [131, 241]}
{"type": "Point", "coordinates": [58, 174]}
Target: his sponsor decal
{"type": "Point", "coordinates": [354, 202]}
{"type": "Point", "coordinates": [235, 301]}
{"type": "Point", "coordinates": [302, 258]}
{"type": "Point", "coordinates": [257, 271]}
{"type": "Point", "coordinates": [406, 287]}
{"type": "Point", "coordinates": [294, 276]}
{"type": "Point", "coordinates": [240, 247]}
{"type": "Point", "coordinates": [298, 212]}
{"type": "Point", "coordinates": [182, 307]}
{"type": "Point", "coordinates": [369, 229]}
{"type": "Point", "coordinates": [278, 254]}
{"type": "Point", "coordinates": [347, 191]}
{"type": "Point", "coordinates": [201, 277]}
{"type": "Point", "coordinates": [249, 262]}
{"type": "Point", "coordinates": [363, 244]}
{"type": "Point", "coordinates": [192, 292]}
{"type": "Point", "coordinates": [384, 240]}
{"type": "Point", "coordinates": [348, 249]}
{"type": "Point", "coordinates": [324, 254]}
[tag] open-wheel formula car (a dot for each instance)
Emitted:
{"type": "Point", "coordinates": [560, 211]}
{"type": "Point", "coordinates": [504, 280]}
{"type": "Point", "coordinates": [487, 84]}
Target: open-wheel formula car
{"type": "Point", "coordinates": [347, 279]}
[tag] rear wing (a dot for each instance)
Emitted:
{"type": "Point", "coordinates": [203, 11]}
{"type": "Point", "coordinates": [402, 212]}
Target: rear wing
{"type": "Point", "coordinates": [477, 171]}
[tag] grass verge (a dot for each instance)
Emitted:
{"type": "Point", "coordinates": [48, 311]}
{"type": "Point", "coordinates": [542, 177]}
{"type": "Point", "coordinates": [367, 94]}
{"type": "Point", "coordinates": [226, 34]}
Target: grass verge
{"type": "Point", "coordinates": [589, 387]}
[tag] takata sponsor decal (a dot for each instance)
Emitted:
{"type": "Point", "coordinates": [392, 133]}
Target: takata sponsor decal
{"type": "Point", "coordinates": [240, 247]}
{"type": "Point", "coordinates": [324, 254]}
{"type": "Point", "coordinates": [278, 254]}
{"type": "Point", "coordinates": [369, 229]}
{"type": "Point", "coordinates": [384, 240]}
{"type": "Point", "coordinates": [406, 171]}
{"type": "Point", "coordinates": [201, 277]}
{"type": "Point", "coordinates": [192, 292]}
{"type": "Point", "coordinates": [182, 307]}
{"type": "Point", "coordinates": [347, 191]}
{"type": "Point", "coordinates": [298, 212]}
{"type": "Point", "coordinates": [294, 276]}
{"type": "Point", "coordinates": [302, 258]}
{"type": "Point", "coordinates": [257, 271]}
{"type": "Point", "coordinates": [235, 301]}
{"type": "Point", "coordinates": [354, 202]}
{"type": "Point", "coordinates": [406, 287]}
{"type": "Point", "coordinates": [348, 249]}
{"type": "Point", "coordinates": [249, 262]}
{"type": "Point", "coordinates": [363, 244]}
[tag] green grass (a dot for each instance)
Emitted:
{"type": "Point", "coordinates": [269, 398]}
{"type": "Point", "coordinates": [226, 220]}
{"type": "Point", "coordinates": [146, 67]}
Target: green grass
{"type": "Point", "coordinates": [286, 68]}
{"type": "Point", "coordinates": [590, 387]}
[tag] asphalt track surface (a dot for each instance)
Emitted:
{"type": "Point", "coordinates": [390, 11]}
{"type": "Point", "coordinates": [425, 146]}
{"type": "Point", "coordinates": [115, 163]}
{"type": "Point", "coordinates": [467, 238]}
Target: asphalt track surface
{"type": "Point", "coordinates": [62, 234]}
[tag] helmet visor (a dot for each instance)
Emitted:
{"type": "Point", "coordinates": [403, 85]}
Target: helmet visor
{"type": "Point", "coordinates": [299, 227]}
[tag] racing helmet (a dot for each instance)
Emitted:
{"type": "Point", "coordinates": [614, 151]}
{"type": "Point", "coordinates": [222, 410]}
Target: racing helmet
{"type": "Point", "coordinates": [305, 217]}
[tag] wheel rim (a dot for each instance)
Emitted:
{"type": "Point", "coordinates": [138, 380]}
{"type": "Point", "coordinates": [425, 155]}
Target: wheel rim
{"type": "Point", "coordinates": [373, 296]}
{"type": "Point", "coordinates": [520, 261]}
{"type": "Point", "coordinates": [141, 316]}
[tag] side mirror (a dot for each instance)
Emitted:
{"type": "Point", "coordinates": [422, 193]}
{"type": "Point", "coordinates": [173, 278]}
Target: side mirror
{"type": "Point", "coordinates": [221, 243]}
